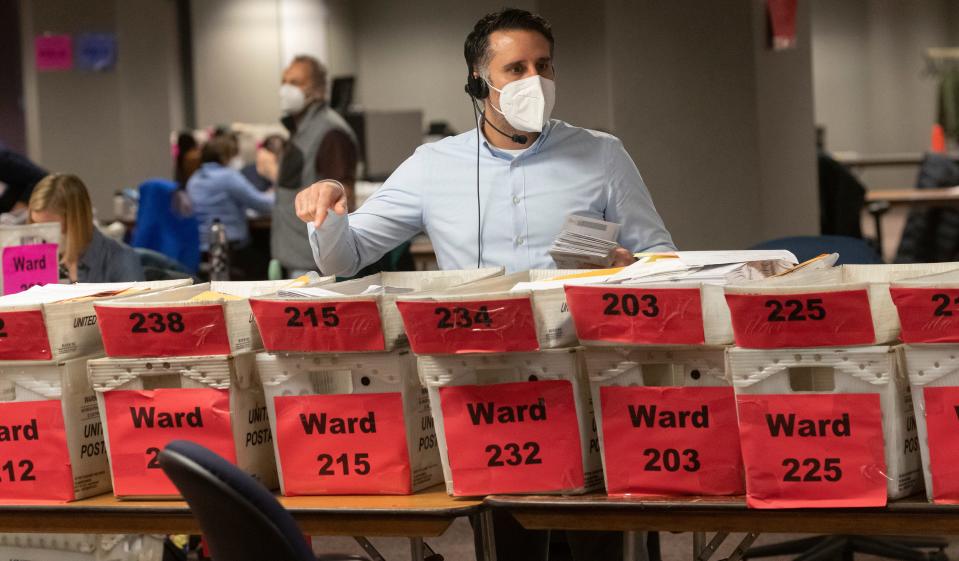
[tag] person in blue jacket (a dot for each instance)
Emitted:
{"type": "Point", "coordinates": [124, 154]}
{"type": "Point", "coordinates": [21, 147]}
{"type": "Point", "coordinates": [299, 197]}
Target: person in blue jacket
{"type": "Point", "coordinates": [219, 192]}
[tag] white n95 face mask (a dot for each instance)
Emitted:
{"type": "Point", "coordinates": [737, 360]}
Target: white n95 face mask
{"type": "Point", "coordinates": [292, 99]}
{"type": "Point", "coordinates": [527, 103]}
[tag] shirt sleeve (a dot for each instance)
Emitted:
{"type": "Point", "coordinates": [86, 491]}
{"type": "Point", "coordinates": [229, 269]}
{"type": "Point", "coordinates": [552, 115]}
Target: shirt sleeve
{"type": "Point", "coordinates": [393, 214]}
{"type": "Point", "coordinates": [336, 158]}
{"type": "Point", "coordinates": [249, 196]}
{"type": "Point", "coordinates": [629, 204]}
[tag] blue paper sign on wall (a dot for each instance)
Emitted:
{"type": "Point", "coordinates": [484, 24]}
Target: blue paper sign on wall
{"type": "Point", "coordinates": [95, 51]}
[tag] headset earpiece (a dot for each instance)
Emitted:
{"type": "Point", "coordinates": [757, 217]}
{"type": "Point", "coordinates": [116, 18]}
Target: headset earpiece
{"type": "Point", "coordinates": [476, 87]}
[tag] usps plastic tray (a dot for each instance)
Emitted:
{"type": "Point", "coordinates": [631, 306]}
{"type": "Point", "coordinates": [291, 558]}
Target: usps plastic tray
{"type": "Point", "coordinates": [67, 383]}
{"type": "Point", "coordinates": [930, 366]}
{"type": "Point", "coordinates": [855, 370]}
{"type": "Point", "coordinates": [489, 316]}
{"type": "Point", "coordinates": [690, 367]}
{"type": "Point", "coordinates": [485, 369]}
{"type": "Point", "coordinates": [81, 547]}
{"type": "Point", "coordinates": [169, 324]}
{"type": "Point", "coordinates": [837, 307]}
{"type": "Point", "coordinates": [353, 374]}
{"type": "Point", "coordinates": [354, 322]}
{"type": "Point", "coordinates": [60, 330]}
{"type": "Point", "coordinates": [248, 420]}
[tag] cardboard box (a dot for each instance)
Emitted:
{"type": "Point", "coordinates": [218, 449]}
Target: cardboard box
{"type": "Point", "coordinates": [390, 449]}
{"type": "Point", "coordinates": [513, 422]}
{"type": "Point", "coordinates": [933, 372]}
{"type": "Point", "coordinates": [215, 401]}
{"type": "Point", "coordinates": [667, 421]}
{"type": "Point", "coordinates": [825, 427]}
{"type": "Point", "coordinates": [80, 547]}
{"type": "Point", "coordinates": [63, 329]}
{"type": "Point", "coordinates": [50, 433]}
{"type": "Point", "coordinates": [492, 315]}
{"type": "Point", "coordinates": [354, 320]}
{"type": "Point", "coordinates": [836, 307]}
{"type": "Point", "coordinates": [204, 319]}
{"type": "Point", "coordinates": [15, 238]}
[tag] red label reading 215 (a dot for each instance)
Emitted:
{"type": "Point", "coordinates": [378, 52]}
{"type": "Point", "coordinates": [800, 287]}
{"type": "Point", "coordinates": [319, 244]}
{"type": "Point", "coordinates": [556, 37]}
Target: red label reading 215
{"type": "Point", "coordinates": [653, 316]}
{"type": "Point", "coordinates": [171, 331]}
{"type": "Point", "coordinates": [927, 315]}
{"type": "Point", "coordinates": [505, 325]}
{"type": "Point", "coordinates": [327, 326]}
{"type": "Point", "coordinates": [762, 321]}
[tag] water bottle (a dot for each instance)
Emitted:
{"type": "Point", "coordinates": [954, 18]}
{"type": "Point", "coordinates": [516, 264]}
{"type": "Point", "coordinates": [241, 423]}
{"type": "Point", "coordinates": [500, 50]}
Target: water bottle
{"type": "Point", "coordinates": [219, 252]}
{"type": "Point", "coordinates": [119, 206]}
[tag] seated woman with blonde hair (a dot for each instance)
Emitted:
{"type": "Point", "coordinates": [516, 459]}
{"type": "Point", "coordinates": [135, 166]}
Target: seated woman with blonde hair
{"type": "Point", "coordinates": [86, 254]}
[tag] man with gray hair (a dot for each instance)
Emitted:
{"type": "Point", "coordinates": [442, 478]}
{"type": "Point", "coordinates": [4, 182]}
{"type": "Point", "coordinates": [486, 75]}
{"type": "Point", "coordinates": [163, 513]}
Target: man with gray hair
{"type": "Point", "coordinates": [322, 146]}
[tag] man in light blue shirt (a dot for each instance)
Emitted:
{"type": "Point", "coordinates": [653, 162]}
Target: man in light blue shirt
{"type": "Point", "coordinates": [533, 171]}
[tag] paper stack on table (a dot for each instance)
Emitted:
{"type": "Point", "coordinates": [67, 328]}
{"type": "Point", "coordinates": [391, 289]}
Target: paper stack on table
{"type": "Point", "coordinates": [716, 267]}
{"type": "Point", "coordinates": [585, 243]}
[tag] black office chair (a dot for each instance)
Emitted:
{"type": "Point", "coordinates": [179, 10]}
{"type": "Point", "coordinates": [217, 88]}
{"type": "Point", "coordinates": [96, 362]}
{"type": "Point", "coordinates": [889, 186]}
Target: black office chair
{"type": "Point", "coordinates": [241, 520]}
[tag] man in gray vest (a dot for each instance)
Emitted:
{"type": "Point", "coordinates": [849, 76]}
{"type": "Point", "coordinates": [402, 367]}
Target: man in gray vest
{"type": "Point", "coordinates": [322, 145]}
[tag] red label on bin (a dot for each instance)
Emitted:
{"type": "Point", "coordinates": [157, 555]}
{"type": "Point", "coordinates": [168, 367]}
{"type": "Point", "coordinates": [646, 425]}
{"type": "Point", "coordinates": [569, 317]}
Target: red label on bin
{"type": "Point", "coordinates": [671, 441]}
{"type": "Point", "coordinates": [654, 316]}
{"type": "Point", "coordinates": [483, 326]}
{"type": "Point", "coordinates": [23, 336]}
{"type": "Point", "coordinates": [512, 438]}
{"type": "Point", "coordinates": [34, 459]}
{"type": "Point", "coordinates": [927, 315]}
{"type": "Point", "coordinates": [812, 319]}
{"type": "Point", "coordinates": [813, 450]}
{"type": "Point", "coordinates": [343, 444]}
{"type": "Point", "coordinates": [163, 331]}
{"type": "Point", "coordinates": [304, 326]}
{"type": "Point", "coordinates": [141, 422]}
{"type": "Point", "coordinates": [942, 428]}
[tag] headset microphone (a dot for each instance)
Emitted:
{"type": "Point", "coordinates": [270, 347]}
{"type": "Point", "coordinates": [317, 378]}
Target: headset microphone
{"type": "Point", "coordinates": [517, 138]}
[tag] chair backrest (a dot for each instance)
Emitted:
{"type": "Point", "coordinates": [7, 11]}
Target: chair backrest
{"type": "Point", "coordinates": [240, 518]}
{"type": "Point", "coordinates": [852, 251]}
{"type": "Point", "coordinates": [161, 228]}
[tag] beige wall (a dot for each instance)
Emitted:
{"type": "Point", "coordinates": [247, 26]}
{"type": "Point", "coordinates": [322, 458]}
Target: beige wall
{"type": "Point", "coordinates": [110, 128]}
{"type": "Point", "coordinates": [871, 92]}
{"type": "Point", "coordinates": [720, 129]}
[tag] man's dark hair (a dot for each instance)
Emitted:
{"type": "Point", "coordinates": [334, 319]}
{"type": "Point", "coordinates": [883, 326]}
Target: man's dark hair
{"type": "Point", "coordinates": [219, 149]}
{"type": "Point", "coordinates": [476, 48]}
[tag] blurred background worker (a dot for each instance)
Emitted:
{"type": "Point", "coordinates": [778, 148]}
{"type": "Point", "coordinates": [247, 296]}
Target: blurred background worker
{"type": "Point", "coordinates": [219, 192]}
{"type": "Point", "coordinates": [86, 254]}
{"type": "Point", "coordinates": [321, 145]}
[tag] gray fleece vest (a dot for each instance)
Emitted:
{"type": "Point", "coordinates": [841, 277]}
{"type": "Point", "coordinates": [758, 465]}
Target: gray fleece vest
{"type": "Point", "coordinates": [290, 244]}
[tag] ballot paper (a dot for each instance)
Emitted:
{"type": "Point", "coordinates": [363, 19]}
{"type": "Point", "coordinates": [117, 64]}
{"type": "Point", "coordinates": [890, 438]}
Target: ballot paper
{"type": "Point", "coordinates": [316, 292]}
{"type": "Point", "coordinates": [585, 242]}
{"type": "Point", "coordinates": [717, 267]}
{"type": "Point", "coordinates": [49, 293]}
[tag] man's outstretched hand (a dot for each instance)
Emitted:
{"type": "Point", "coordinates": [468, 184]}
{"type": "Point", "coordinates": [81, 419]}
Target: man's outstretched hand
{"type": "Point", "coordinates": [313, 202]}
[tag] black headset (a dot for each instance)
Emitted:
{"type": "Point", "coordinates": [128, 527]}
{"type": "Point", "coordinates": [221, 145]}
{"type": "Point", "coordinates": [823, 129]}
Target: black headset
{"type": "Point", "coordinates": [476, 87]}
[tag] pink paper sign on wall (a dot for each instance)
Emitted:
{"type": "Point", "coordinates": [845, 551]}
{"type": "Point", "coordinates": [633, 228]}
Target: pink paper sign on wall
{"type": "Point", "coordinates": [28, 265]}
{"type": "Point", "coordinates": [53, 52]}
